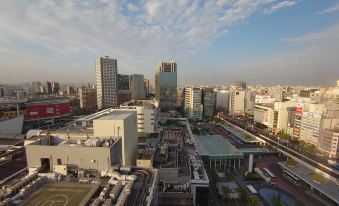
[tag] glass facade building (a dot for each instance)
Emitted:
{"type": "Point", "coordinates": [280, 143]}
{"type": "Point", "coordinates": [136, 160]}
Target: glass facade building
{"type": "Point", "coordinates": [166, 85]}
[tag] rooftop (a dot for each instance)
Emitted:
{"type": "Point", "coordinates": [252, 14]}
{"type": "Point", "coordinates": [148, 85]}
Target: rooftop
{"type": "Point", "coordinates": [116, 115]}
{"type": "Point", "coordinates": [327, 187]}
{"type": "Point", "coordinates": [216, 145]}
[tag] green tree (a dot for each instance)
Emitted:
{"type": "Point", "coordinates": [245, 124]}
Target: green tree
{"type": "Point", "coordinates": [283, 135]}
{"type": "Point", "coordinates": [291, 162]}
{"type": "Point", "coordinates": [253, 201]}
{"type": "Point", "coordinates": [214, 174]}
{"type": "Point", "coordinates": [225, 193]}
{"type": "Point", "coordinates": [243, 195]}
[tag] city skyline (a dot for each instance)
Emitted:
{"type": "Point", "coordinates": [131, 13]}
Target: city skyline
{"type": "Point", "coordinates": [280, 42]}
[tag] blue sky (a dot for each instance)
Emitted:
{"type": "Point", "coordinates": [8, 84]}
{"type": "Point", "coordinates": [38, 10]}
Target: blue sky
{"type": "Point", "coordinates": [213, 42]}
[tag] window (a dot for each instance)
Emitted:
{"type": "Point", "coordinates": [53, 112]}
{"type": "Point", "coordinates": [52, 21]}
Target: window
{"type": "Point", "coordinates": [58, 161]}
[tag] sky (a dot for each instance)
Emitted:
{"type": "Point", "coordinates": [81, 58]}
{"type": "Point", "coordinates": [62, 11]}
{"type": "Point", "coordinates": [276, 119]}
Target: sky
{"type": "Point", "coordinates": [214, 42]}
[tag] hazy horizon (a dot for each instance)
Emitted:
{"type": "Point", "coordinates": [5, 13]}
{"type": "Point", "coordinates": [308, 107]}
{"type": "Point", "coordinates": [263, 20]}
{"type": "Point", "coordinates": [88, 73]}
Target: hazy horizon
{"type": "Point", "coordinates": [287, 42]}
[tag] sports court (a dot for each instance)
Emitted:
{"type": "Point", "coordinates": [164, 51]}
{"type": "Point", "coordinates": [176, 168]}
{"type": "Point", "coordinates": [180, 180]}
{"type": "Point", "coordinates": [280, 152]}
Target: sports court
{"type": "Point", "coordinates": [61, 195]}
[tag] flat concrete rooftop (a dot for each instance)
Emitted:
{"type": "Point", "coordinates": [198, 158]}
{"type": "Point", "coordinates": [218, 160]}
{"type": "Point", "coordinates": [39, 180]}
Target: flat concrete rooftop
{"type": "Point", "coordinates": [116, 115]}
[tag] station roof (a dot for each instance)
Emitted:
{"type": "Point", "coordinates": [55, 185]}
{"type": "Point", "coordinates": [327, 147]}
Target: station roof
{"type": "Point", "coordinates": [216, 146]}
{"type": "Point", "coordinates": [326, 186]}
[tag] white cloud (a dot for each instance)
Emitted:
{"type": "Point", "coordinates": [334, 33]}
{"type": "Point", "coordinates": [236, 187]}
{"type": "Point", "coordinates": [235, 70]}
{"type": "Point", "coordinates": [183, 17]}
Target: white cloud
{"type": "Point", "coordinates": [331, 9]}
{"type": "Point", "coordinates": [138, 34]}
{"type": "Point", "coordinates": [280, 5]}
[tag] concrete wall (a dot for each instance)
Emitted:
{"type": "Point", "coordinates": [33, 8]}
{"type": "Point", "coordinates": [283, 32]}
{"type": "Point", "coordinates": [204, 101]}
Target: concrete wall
{"type": "Point", "coordinates": [98, 158]}
{"type": "Point", "coordinates": [126, 128]}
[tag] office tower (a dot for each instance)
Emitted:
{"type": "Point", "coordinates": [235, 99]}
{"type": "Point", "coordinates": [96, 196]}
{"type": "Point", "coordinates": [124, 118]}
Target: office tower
{"type": "Point", "coordinates": [146, 87]}
{"type": "Point", "coordinates": [88, 98]}
{"type": "Point", "coordinates": [55, 87]}
{"type": "Point", "coordinates": [124, 93]}
{"type": "Point", "coordinates": [136, 85]}
{"type": "Point", "coordinates": [49, 88]}
{"type": "Point", "coordinates": [240, 84]}
{"type": "Point", "coordinates": [166, 85]}
{"type": "Point", "coordinates": [3, 91]}
{"type": "Point", "coordinates": [123, 82]}
{"type": "Point", "coordinates": [70, 90]}
{"type": "Point", "coordinates": [37, 87]}
{"type": "Point", "coordinates": [208, 100]}
{"type": "Point", "coordinates": [106, 70]}
{"type": "Point", "coordinates": [237, 102]}
{"type": "Point", "coordinates": [249, 102]}
{"type": "Point", "coordinates": [193, 108]}
{"type": "Point", "coordinates": [222, 100]}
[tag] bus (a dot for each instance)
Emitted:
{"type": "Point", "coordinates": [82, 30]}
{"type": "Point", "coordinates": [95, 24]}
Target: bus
{"type": "Point", "coordinates": [251, 189]}
{"type": "Point", "coordinates": [269, 173]}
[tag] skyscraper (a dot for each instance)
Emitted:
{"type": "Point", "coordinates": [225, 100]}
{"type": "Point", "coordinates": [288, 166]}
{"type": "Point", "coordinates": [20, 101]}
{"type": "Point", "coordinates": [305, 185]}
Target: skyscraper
{"type": "Point", "coordinates": [240, 84]}
{"type": "Point", "coordinates": [208, 100]}
{"type": "Point", "coordinates": [193, 108]}
{"type": "Point", "coordinates": [146, 87]}
{"type": "Point", "coordinates": [106, 70]}
{"type": "Point", "coordinates": [166, 85]}
{"type": "Point", "coordinates": [136, 85]}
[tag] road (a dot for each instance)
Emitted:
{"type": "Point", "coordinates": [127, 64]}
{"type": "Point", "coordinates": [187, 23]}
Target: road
{"type": "Point", "coordinates": [273, 141]}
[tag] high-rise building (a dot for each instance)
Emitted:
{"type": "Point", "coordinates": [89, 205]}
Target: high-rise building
{"type": "Point", "coordinates": [240, 84]}
{"type": "Point", "coordinates": [146, 87]}
{"type": "Point", "coordinates": [136, 85]}
{"type": "Point", "coordinates": [106, 70]}
{"type": "Point", "coordinates": [166, 85]}
{"type": "Point", "coordinates": [193, 108]}
{"type": "Point", "coordinates": [88, 98]}
{"type": "Point", "coordinates": [222, 100]}
{"type": "Point", "coordinates": [124, 92]}
{"type": "Point", "coordinates": [3, 91]}
{"type": "Point", "coordinates": [237, 102]}
{"type": "Point", "coordinates": [37, 87]}
{"type": "Point", "coordinates": [208, 100]}
{"type": "Point", "coordinates": [70, 90]}
{"type": "Point", "coordinates": [55, 87]}
{"type": "Point", "coordinates": [123, 82]}
{"type": "Point", "coordinates": [49, 89]}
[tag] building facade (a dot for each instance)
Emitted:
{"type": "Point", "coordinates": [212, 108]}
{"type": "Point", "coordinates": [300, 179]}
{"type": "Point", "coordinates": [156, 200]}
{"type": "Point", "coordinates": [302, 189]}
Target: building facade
{"type": "Point", "coordinates": [136, 86]}
{"type": "Point", "coordinates": [88, 98]}
{"type": "Point", "coordinates": [166, 85]}
{"type": "Point", "coordinates": [148, 113]}
{"type": "Point", "coordinates": [237, 102]}
{"type": "Point", "coordinates": [106, 70]}
{"type": "Point", "coordinates": [193, 107]}
{"type": "Point", "coordinates": [208, 101]}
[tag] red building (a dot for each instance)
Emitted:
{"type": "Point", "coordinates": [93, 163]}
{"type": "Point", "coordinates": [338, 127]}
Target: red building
{"type": "Point", "coordinates": [48, 108]}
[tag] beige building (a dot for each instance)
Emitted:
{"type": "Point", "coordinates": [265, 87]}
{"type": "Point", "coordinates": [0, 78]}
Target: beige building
{"type": "Point", "coordinates": [237, 102]}
{"type": "Point", "coordinates": [111, 141]}
{"type": "Point", "coordinates": [106, 71]}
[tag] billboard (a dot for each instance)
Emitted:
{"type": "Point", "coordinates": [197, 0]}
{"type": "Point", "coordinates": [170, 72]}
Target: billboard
{"type": "Point", "coordinates": [48, 110]}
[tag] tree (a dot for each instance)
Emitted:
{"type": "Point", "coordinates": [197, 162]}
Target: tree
{"type": "Point", "coordinates": [283, 135]}
{"type": "Point", "coordinates": [291, 162]}
{"type": "Point", "coordinates": [253, 201]}
{"type": "Point", "coordinates": [243, 195]}
{"type": "Point", "coordinates": [214, 174]}
{"type": "Point", "coordinates": [225, 193]}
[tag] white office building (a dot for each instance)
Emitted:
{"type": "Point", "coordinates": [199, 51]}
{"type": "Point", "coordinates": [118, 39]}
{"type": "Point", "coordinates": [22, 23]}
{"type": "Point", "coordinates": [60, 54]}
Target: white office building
{"type": "Point", "coordinates": [193, 107]}
{"type": "Point", "coordinates": [148, 113]}
{"type": "Point", "coordinates": [106, 70]}
{"type": "Point", "coordinates": [237, 102]}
